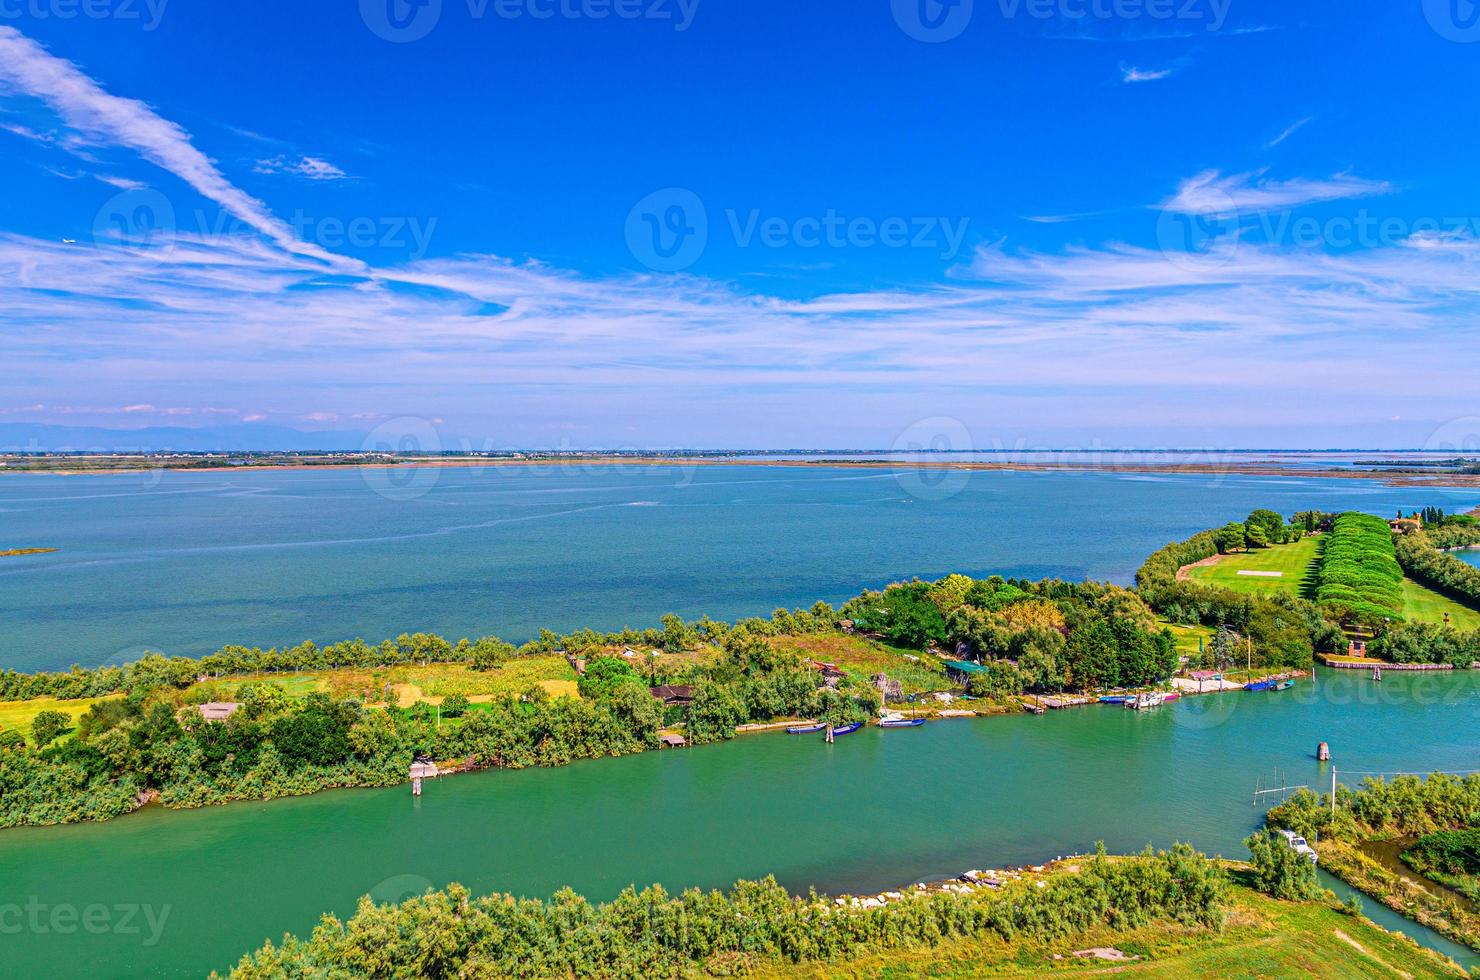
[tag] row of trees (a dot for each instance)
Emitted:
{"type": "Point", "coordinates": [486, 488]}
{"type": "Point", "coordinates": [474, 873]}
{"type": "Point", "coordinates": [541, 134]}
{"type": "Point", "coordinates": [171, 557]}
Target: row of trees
{"type": "Point", "coordinates": [1422, 560]}
{"type": "Point", "coordinates": [1260, 529]}
{"type": "Point", "coordinates": [649, 933]}
{"type": "Point", "coordinates": [485, 653]}
{"type": "Point", "coordinates": [153, 741]}
{"type": "Point", "coordinates": [1359, 579]}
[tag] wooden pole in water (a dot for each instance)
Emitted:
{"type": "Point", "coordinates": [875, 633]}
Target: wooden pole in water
{"type": "Point", "coordinates": [1333, 791]}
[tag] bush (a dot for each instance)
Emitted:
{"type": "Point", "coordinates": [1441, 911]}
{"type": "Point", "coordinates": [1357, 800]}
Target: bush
{"type": "Point", "coordinates": [455, 705]}
{"type": "Point", "coordinates": [48, 725]}
{"type": "Point", "coordinates": [1280, 870]}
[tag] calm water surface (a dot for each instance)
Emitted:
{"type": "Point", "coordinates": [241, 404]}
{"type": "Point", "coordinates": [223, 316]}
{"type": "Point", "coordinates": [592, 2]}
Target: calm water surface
{"type": "Point", "coordinates": [183, 563]}
{"type": "Point", "coordinates": [853, 815]}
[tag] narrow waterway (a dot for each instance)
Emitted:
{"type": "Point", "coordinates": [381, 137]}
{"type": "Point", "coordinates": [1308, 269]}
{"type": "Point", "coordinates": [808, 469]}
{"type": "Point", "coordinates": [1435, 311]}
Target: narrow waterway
{"type": "Point", "coordinates": [878, 808]}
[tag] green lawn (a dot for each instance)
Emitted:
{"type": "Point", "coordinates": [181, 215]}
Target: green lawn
{"type": "Point", "coordinates": [1296, 564]}
{"type": "Point", "coordinates": [20, 714]}
{"type": "Point", "coordinates": [1424, 605]}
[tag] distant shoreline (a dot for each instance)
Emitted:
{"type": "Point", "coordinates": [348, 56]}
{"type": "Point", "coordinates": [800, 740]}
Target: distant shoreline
{"type": "Point", "coordinates": [1233, 468]}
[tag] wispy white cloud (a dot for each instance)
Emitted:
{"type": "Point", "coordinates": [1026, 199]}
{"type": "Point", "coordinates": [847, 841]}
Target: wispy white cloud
{"type": "Point", "coordinates": [1211, 192]}
{"type": "Point", "coordinates": [98, 115]}
{"type": "Point", "coordinates": [1289, 131]}
{"type": "Point", "coordinates": [1130, 74]}
{"type": "Point", "coordinates": [122, 183]}
{"type": "Point", "coordinates": [304, 166]}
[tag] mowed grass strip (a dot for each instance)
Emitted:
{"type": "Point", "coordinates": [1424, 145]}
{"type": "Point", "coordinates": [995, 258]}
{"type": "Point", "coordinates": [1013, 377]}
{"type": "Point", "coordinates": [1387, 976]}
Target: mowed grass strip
{"type": "Point", "coordinates": [1422, 604]}
{"type": "Point", "coordinates": [1295, 562]}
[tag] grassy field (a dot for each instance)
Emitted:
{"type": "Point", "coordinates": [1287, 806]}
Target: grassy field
{"type": "Point", "coordinates": [1296, 564]}
{"type": "Point", "coordinates": [1188, 637]}
{"type": "Point", "coordinates": [409, 684]}
{"type": "Point", "coordinates": [20, 714]}
{"type": "Point", "coordinates": [864, 657]}
{"type": "Point", "coordinates": [1424, 605]}
{"type": "Point", "coordinates": [1263, 938]}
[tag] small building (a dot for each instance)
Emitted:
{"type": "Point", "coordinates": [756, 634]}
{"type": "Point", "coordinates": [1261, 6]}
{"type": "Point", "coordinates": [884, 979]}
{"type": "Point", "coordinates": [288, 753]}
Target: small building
{"type": "Point", "coordinates": [673, 695]}
{"type": "Point", "coordinates": [672, 741]}
{"type": "Point", "coordinates": [219, 710]}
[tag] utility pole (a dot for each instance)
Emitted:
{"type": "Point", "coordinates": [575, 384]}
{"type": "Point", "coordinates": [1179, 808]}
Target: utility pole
{"type": "Point", "coordinates": [1333, 792]}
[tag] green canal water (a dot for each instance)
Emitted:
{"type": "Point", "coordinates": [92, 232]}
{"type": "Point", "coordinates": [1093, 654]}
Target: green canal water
{"type": "Point", "coordinates": [877, 809]}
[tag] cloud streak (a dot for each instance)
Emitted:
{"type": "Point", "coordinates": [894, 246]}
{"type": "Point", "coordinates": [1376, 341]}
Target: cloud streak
{"type": "Point", "coordinates": [96, 114]}
{"type": "Point", "coordinates": [1211, 192]}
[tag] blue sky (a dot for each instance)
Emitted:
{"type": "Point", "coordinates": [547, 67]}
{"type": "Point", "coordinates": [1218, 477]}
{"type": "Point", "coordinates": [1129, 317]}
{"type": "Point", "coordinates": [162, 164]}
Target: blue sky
{"type": "Point", "coordinates": [718, 223]}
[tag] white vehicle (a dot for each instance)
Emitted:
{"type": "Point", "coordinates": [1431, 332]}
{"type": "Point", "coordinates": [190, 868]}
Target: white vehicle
{"type": "Point", "coordinates": [1300, 845]}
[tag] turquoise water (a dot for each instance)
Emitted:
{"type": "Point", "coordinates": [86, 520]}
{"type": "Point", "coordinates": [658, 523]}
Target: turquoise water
{"type": "Point", "coordinates": [183, 563]}
{"type": "Point", "coordinates": [878, 809]}
{"type": "Point", "coordinates": [1471, 555]}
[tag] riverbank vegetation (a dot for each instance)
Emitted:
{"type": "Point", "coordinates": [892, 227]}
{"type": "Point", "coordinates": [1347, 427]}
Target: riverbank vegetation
{"type": "Point", "coordinates": [1371, 826]}
{"type": "Point", "coordinates": [652, 934]}
{"type": "Point", "coordinates": [1168, 914]}
{"type": "Point", "coordinates": [15, 552]}
{"type": "Point", "coordinates": [1422, 555]}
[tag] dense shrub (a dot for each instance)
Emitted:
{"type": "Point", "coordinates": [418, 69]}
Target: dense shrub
{"type": "Point", "coordinates": [1359, 579]}
{"type": "Point", "coordinates": [652, 934]}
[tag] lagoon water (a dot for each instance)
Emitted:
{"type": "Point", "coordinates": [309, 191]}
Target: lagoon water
{"type": "Point", "coordinates": [878, 809]}
{"type": "Point", "coordinates": [185, 562]}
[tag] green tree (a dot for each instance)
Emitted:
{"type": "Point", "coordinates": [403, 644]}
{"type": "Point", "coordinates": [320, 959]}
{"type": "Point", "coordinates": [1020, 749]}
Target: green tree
{"type": "Point", "coordinates": [455, 705]}
{"type": "Point", "coordinates": [603, 675]}
{"type": "Point", "coordinates": [1231, 537]}
{"type": "Point", "coordinates": [1257, 536]}
{"type": "Point", "coordinates": [47, 726]}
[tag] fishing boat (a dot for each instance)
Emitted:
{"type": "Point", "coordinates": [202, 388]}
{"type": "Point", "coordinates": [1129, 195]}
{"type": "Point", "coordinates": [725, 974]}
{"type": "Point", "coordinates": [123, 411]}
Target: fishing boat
{"type": "Point", "coordinates": [1148, 699]}
{"type": "Point", "coordinates": [847, 729]}
{"type": "Point", "coordinates": [901, 722]}
{"type": "Point", "coordinates": [805, 729]}
{"type": "Point", "coordinates": [1259, 686]}
{"type": "Point", "coordinates": [1284, 685]}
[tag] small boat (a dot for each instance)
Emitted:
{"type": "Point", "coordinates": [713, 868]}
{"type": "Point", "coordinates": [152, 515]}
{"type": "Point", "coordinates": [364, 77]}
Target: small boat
{"type": "Point", "coordinates": [1259, 686]}
{"type": "Point", "coordinates": [1284, 685]}
{"type": "Point", "coordinates": [901, 722]}
{"type": "Point", "coordinates": [805, 729]}
{"type": "Point", "coordinates": [1117, 698]}
{"type": "Point", "coordinates": [1149, 699]}
{"type": "Point", "coordinates": [847, 729]}
{"type": "Point", "coordinates": [1171, 696]}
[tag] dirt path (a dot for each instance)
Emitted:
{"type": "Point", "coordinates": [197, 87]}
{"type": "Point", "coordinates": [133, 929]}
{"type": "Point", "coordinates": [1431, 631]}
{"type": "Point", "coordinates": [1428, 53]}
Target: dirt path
{"type": "Point", "coordinates": [1184, 573]}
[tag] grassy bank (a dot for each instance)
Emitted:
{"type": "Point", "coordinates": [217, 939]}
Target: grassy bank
{"type": "Point", "coordinates": [1261, 937]}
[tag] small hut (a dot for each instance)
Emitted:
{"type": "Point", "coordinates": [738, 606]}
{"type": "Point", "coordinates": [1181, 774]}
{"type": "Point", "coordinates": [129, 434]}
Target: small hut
{"type": "Point", "coordinates": [422, 768]}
